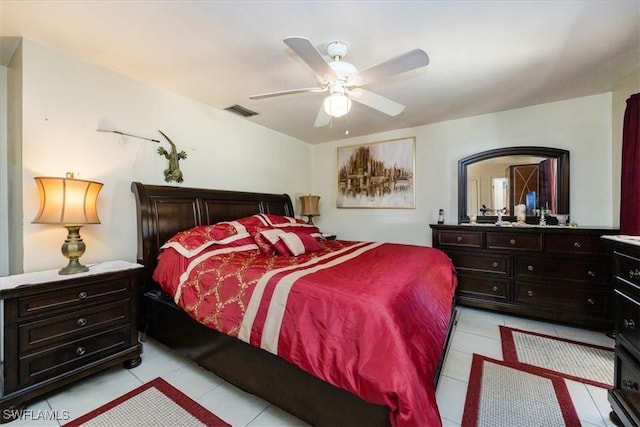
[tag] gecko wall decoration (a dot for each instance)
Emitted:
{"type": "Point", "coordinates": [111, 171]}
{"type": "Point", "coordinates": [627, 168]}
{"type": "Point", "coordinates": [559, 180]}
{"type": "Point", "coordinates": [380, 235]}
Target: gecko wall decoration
{"type": "Point", "coordinates": [173, 172]}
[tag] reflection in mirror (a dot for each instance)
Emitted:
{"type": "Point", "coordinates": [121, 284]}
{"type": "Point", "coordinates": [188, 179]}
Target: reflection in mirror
{"type": "Point", "coordinates": [500, 183]}
{"type": "Point", "coordinates": [497, 181]}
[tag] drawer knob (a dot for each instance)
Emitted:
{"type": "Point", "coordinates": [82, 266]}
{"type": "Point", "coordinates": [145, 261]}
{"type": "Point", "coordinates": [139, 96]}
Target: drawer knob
{"type": "Point", "coordinates": [82, 321]}
{"type": "Point", "coordinates": [591, 301]}
{"type": "Point", "coordinates": [530, 293]}
{"type": "Point", "coordinates": [530, 267]}
{"type": "Point", "coordinates": [494, 264]}
{"type": "Point", "coordinates": [512, 241]}
{"type": "Point", "coordinates": [82, 295]}
{"type": "Point", "coordinates": [80, 351]}
{"type": "Point", "coordinates": [494, 288]}
{"type": "Point", "coordinates": [591, 273]}
{"type": "Point", "coordinates": [629, 323]}
{"type": "Point", "coordinates": [458, 238]}
{"type": "Point", "coordinates": [577, 245]}
{"type": "Point", "coordinates": [634, 274]}
{"type": "Point", "coordinates": [630, 384]}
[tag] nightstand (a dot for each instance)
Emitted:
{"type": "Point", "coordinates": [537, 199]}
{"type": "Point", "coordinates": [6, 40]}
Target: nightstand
{"type": "Point", "coordinates": [58, 329]}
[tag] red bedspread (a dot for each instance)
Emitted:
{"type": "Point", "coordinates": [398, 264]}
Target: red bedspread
{"type": "Point", "coordinates": [370, 318]}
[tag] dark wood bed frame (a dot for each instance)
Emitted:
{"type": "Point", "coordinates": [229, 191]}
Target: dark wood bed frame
{"type": "Point", "coordinates": [165, 210]}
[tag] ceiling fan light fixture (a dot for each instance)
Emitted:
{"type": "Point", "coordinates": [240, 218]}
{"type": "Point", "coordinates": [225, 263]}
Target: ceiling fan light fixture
{"type": "Point", "coordinates": [337, 105]}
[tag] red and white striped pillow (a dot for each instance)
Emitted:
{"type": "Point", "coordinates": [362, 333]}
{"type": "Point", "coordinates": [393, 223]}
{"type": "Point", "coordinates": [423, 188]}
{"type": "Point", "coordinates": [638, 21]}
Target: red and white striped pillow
{"type": "Point", "coordinates": [288, 243]}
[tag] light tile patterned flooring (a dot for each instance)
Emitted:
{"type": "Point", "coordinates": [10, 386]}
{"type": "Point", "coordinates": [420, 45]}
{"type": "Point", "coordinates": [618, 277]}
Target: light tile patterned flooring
{"type": "Point", "coordinates": [476, 332]}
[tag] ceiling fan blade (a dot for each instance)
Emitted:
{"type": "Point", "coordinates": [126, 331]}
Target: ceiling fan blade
{"type": "Point", "coordinates": [288, 92]}
{"type": "Point", "coordinates": [303, 47]}
{"type": "Point", "coordinates": [377, 102]}
{"type": "Point", "coordinates": [406, 62]}
{"type": "Point", "coordinates": [322, 119]}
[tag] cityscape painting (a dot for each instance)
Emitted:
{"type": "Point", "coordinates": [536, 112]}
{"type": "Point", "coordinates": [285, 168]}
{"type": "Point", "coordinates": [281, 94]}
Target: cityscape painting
{"type": "Point", "coordinates": [377, 175]}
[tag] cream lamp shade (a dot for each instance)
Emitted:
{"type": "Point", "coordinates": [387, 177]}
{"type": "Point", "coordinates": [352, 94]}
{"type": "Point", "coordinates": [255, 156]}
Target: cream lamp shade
{"type": "Point", "coordinates": [71, 203]}
{"type": "Point", "coordinates": [309, 207]}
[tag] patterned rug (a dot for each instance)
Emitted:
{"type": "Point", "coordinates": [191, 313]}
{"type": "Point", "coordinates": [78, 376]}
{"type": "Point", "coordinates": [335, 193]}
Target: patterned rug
{"type": "Point", "coordinates": [502, 394]}
{"type": "Point", "coordinates": [155, 403]}
{"type": "Point", "coordinates": [587, 363]}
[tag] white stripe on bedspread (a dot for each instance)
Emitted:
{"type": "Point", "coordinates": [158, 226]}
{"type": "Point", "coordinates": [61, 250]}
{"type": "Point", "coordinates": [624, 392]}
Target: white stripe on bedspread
{"type": "Point", "coordinates": [277, 305]}
{"type": "Point", "coordinates": [278, 301]}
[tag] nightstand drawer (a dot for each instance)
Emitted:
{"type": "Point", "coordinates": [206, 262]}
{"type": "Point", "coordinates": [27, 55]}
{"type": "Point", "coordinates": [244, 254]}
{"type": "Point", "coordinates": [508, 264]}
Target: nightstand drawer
{"type": "Point", "coordinates": [627, 380]}
{"type": "Point", "coordinates": [65, 327]}
{"type": "Point", "coordinates": [46, 364]}
{"type": "Point", "coordinates": [626, 268]}
{"type": "Point", "coordinates": [627, 317]}
{"type": "Point", "coordinates": [92, 291]}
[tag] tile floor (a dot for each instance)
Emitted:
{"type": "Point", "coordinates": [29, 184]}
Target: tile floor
{"type": "Point", "coordinates": [476, 332]}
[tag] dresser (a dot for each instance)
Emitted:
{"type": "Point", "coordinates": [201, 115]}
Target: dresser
{"type": "Point", "coordinates": [58, 329]}
{"type": "Point", "coordinates": [625, 266]}
{"type": "Point", "coordinates": [553, 273]}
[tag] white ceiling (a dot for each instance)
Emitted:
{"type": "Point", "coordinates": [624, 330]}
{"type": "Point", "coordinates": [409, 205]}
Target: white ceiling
{"type": "Point", "coordinates": [486, 56]}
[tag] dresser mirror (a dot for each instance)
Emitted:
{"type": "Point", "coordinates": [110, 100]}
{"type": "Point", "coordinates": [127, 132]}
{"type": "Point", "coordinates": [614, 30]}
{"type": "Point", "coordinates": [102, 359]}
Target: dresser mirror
{"type": "Point", "coordinates": [492, 183]}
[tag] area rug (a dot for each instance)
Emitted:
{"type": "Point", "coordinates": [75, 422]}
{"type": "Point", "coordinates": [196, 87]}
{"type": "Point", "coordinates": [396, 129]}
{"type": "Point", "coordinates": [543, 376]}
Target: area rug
{"type": "Point", "coordinates": [587, 363]}
{"type": "Point", "coordinates": [156, 403]}
{"type": "Point", "coordinates": [502, 394]}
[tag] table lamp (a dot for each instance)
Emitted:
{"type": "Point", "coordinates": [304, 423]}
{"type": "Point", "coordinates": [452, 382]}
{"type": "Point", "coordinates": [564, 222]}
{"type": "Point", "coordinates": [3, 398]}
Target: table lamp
{"type": "Point", "coordinates": [309, 207]}
{"type": "Point", "coordinates": [71, 203]}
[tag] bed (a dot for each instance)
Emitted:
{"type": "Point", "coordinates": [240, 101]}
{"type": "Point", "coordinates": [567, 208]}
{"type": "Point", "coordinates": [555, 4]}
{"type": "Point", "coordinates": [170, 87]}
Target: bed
{"type": "Point", "coordinates": [297, 372]}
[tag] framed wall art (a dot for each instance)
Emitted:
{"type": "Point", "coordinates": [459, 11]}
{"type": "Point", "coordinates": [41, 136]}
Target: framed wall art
{"type": "Point", "coordinates": [377, 175]}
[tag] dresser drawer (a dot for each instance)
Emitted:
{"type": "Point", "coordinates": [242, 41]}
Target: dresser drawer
{"type": "Point", "coordinates": [589, 271]}
{"type": "Point", "coordinates": [627, 315]}
{"type": "Point", "coordinates": [483, 287]}
{"type": "Point", "coordinates": [627, 379]}
{"type": "Point", "coordinates": [514, 241]}
{"type": "Point", "coordinates": [66, 327]}
{"type": "Point", "coordinates": [482, 263]}
{"type": "Point", "coordinates": [467, 239]}
{"type": "Point", "coordinates": [581, 300]}
{"type": "Point", "coordinates": [46, 364]}
{"type": "Point", "coordinates": [575, 243]}
{"type": "Point", "coordinates": [74, 296]}
{"type": "Point", "coordinates": [626, 268]}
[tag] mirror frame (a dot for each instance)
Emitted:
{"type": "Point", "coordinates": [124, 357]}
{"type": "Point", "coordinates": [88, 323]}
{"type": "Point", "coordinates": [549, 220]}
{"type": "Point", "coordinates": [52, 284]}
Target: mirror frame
{"type": "Point", "coordinates": [562, 171]}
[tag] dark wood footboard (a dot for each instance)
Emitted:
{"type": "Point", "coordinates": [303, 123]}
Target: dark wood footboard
{"type": "Point", "coordinates": [257, 371]}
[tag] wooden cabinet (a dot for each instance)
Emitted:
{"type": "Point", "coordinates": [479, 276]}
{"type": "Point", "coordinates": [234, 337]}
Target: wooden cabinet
{"type": "Point", "coordinates": [552, 273]}
{"type": "Point", "coordinates": [57, 329]}
{"type": "Point", "coordinates": [625, 265]}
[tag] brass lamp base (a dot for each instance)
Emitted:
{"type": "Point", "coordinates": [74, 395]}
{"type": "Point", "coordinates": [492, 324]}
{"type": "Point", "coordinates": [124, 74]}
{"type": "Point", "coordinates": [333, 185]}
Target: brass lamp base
{"type": "Point", "coordinates": [73, 248]}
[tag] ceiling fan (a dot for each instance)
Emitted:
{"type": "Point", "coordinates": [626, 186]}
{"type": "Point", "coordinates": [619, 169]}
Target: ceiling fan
{"type": "Point", "coordinates": [344, 82]}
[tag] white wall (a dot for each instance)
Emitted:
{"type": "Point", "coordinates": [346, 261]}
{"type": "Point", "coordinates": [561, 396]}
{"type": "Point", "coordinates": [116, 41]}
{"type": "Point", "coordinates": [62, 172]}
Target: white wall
{"type": "Point", "coordinates": [65, 100]}
{"type": "Point", "coordinates": [582, 126]}
{"type": "Point", "coordinates": [14, 161]}
{"type": "Point", "coordinates": [4, 187]}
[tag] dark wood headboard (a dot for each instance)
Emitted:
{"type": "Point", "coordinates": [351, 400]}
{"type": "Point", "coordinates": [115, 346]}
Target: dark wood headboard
{"type": "Point", "coordinates": [164, 210]}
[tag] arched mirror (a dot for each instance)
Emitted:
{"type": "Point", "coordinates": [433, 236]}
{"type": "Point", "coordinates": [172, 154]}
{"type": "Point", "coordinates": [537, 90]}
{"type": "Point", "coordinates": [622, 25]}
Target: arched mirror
{"type": "Point", "coordinates": [497, 180]}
